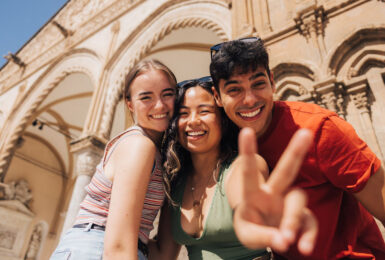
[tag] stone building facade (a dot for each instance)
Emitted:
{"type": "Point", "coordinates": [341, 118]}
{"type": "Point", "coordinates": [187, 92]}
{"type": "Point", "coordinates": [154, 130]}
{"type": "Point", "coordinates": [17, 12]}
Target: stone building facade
{"type": "Point", "coordinates": [61, 93]}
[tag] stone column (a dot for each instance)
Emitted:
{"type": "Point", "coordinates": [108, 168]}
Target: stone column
{"type": "Point", "coordinates": [88, 151]}
{"type": "Point", "coordinates": [359, 97]}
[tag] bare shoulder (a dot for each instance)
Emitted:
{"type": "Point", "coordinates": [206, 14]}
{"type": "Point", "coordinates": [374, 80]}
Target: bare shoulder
{"type": "Point", "coordinates": [132, 152]}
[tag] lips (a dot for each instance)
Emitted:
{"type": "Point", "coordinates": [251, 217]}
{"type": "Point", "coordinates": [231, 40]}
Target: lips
{"type": "Point", "coordinates": [195, 135]}
{"type": "Point", "coordinates": [251, 114]}
{"type": "Point", "coordinates": [159, 116]}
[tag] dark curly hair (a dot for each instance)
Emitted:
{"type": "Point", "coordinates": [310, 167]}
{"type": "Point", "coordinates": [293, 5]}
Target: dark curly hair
{"type": "Point", "coordinates": [238, 57]}
{"type": "Point", "coordinates": [175, 158]}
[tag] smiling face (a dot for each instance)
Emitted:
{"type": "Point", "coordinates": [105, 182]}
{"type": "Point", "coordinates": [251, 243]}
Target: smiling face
{"type": "Point", "coordinates": [248, 99]}
{"type": "Point", "coordinates": [152, 100]}
{"type": "Point", "coordinates": [199, 125]}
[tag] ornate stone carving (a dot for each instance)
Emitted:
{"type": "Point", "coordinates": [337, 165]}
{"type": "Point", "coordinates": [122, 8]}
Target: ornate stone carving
{"type": "Point", "coordinates": [329, 100]}
{"type": "Point", "coordinates": [14, 225]}
{"type": "Point", "coordinates": [88, 152]}
{"type": "Point", "coordinates": [16, 190]}
{"type": "Point", "coordinates": [360, 100]}
{"type": "Point", "coordinates": [311, 23]}
{"type": "Point", "coordinates": [34, 243]}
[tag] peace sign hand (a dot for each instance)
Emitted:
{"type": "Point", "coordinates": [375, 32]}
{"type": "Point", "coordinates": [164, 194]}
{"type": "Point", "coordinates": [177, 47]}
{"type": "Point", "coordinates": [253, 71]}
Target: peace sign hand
{"type": "Point", "coordinates": [269, 213]}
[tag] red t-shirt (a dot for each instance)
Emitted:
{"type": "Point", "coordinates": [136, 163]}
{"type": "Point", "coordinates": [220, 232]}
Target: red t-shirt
{"type": "Point", "coordinates": [338, 164]}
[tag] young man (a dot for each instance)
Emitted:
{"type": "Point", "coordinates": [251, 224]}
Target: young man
{"type": "Point", "coordinates": [342, 177]}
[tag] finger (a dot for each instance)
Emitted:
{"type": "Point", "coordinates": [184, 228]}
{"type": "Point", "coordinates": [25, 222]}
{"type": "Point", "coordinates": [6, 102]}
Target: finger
{"type": "Point", "coordinates": [288, 165]}
{"type": "Point", "coordinates": [247, 163]}
{"type": "Point", "coordinates": [253, 234]}
{"type": "Point", "coordinates": [247, 144]}
{"type": "Point", "coordinates": [308, 238]}
{"type": "Point", "coordinates": [292, 218]}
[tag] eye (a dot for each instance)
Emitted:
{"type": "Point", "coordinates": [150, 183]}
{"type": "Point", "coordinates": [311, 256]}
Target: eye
{"type": "Point", "coordinates": [169, 94]}
{"type": "Point", "coordinates": [183, 113]}
{"type": "Point", "coordinates": [145, 98]}
{"type": "Point", "coordinates": [259, 84]}
{"type": "Point", "coordinates": [233, 90]}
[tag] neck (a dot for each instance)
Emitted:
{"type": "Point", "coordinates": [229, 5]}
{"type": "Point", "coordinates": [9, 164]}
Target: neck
{"type": "Point", "coordinates": [204, 164]}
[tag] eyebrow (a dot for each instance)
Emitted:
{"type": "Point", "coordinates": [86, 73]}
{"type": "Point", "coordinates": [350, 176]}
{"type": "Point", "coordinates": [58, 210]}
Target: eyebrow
{"type": "Point", "coordinates": [201, 105]}
{"type": "Point", "coordinates": [145, 93]}
{"type": "Point", "coordinates": [169, 89]}
{"type": "Point", "coordinates": [252, 77]}
{"type": "Point", "coordinates": [150, 92]}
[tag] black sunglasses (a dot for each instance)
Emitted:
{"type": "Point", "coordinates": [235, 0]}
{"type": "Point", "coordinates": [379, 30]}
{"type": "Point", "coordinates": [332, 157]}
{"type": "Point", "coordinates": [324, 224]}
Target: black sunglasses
{"type": "Point", "coordinates": [214, 49]}
{"type": "Point", "coordinates": [199, 80]}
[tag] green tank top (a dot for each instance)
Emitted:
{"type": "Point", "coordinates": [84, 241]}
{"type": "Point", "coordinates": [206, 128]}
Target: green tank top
{"type": "Point", "coordinates": [218, 240]}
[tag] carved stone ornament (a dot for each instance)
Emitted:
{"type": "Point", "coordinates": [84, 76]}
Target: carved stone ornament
{"type": "Point", "coordinates": [15, 222]}
{"type": "Point", "coordinates": [34, 243]}
{"type": "Point", "coordinates": [16, 190]}
{"type": "Point", "coordinates": [329, 101]}
{"type": "Point", "coordinates": [360, 100]}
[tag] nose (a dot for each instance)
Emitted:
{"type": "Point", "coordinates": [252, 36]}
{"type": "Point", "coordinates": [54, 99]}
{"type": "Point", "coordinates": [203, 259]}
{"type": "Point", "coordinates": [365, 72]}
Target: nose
{"type": "Point", "coordinates": [159, 105]}
{"type": "Point", "coordinates": [250, 99]}
{"type": "Point", "coordinates": [194, 119]}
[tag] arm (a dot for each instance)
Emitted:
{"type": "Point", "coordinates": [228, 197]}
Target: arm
{"type": "Point", "coordinates": [131, 171]}
{"type": "Point", "coordinates": [165, 248]}
{"type": "Point", "coordinates": [372, 196]}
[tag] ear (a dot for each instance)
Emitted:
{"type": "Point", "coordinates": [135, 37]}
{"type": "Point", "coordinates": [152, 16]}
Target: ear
{"type": "Point", "coordinates": [217, 97]}
{"type": "Point", "coordinates": [272, 82]}
{"type": "Point", "coordinates": [129, 105]}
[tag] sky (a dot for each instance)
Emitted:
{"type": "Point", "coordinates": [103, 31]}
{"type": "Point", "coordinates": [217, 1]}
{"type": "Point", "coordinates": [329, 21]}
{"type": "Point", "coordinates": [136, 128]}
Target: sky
{"type": "Point", "coordinates": [21, 19]}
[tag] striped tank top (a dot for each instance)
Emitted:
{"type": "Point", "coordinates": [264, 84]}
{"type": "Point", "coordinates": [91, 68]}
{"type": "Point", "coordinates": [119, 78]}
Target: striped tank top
{"type": "Point", "coordinates": [94, 208]}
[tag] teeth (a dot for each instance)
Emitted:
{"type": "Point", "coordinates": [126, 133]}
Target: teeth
{"type": "Point", "coordinates": [195, 133]}
{"type": "Point", "coordinates": [159, 116]}
{"type": "Point", "coordinates": [250, 114]}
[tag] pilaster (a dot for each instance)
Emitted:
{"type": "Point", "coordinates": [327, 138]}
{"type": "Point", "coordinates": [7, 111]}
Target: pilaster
{"type": "Point", "coordinates": [358, 93]}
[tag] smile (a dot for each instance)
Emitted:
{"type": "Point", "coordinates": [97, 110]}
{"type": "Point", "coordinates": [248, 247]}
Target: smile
{"type": "Point", "coordinates": [195, 133]}
{"type": "Point", "coordinates": [251, 114]}
{"type": "Point", "coordinates": [159, 116]}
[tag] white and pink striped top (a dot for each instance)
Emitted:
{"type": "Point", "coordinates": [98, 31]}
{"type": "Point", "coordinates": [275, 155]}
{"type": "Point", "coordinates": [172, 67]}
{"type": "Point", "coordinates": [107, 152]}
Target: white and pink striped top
{"type": "Point", "coordinates": [94, 208]}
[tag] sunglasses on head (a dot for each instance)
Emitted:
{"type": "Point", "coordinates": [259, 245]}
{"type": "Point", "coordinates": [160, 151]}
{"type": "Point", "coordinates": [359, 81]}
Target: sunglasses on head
{"type": "Point", "coordinates": [214, 49]}
{"type": "Point", "coordinates": [199, 80]}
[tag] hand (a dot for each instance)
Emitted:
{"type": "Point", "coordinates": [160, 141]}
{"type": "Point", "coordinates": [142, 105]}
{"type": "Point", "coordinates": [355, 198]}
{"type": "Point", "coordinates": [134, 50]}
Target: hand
{"type": "Point", "coordinates": [270, 213]}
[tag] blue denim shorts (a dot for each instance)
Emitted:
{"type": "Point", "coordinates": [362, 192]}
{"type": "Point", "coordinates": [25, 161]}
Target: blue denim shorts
{"type": "Point", "coordinates": [82, 244]}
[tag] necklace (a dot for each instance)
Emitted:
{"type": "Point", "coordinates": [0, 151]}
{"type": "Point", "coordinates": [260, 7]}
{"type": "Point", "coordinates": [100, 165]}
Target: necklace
{"type": "Point", "coordinates": [197, 203]}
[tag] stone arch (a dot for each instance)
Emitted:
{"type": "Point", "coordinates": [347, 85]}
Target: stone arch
{"type": "Point", "coordinates": [166, 19]}
{"type": "Point", "coordinates": [366, 60]}
{"type": "Point", "coordinates": [294, 79]}
{"type": "Point", "coordinates": [358, 41]}
{"type": "Point", "coordinates": [296, 69]}
{"type": "Point", "coordinates": [78, 60]}
{"type": "Point", "coordinates": [287, 88]}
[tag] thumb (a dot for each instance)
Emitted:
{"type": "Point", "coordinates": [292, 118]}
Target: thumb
{"type": "Point", "coordinates": [247, 144]}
